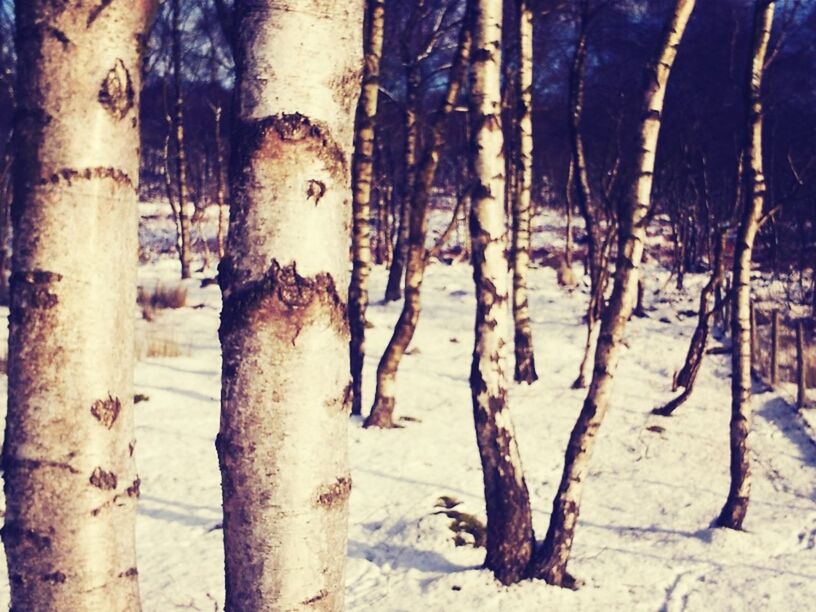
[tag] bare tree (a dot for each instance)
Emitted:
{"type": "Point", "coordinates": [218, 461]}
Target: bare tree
{"type": "Point", "coordinates": [525, 370]}
{"type": "Point", "coordinates": [70, 480]}
{"type": "Point", "coordinates": [362, 176]}
{"type": "Point", "coordinates": [510, 538]}
{"type": "Point", "coordinates": [284, 335]}
{"type": "Point", "coordinates": [178, 141]}
{"type": "Point", "coordinates": [736, 506]}
{"type": "Point", "coordinates": [552, 557]}
{"type": "Point", "coordinates": [382, 411]}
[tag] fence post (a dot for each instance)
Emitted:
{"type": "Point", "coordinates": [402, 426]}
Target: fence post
{"type": "Point", "coordinates": [774, 347]}
{"type": "Point", "coordinates": [801, 395]}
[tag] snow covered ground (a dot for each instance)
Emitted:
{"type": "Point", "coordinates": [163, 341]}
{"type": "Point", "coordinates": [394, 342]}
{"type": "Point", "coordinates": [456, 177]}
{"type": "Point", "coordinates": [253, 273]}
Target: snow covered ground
{"type": "Point", "coordinates": [643, 542]}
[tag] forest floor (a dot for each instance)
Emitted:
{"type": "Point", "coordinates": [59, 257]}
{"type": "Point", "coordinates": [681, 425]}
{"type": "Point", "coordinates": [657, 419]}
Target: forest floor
{"type": "Point", "coordinates": [643, 541]}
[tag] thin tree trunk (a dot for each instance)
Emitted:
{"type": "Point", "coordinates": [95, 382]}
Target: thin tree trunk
{"type": "Point", "coordinates": [382, 411]}
{"type": "Point", "coordinates": [525, 370]}
{"type": "Point", "coordinates": [552, 557]}
{"type": "Point", "coordinates": [284, 337]}
{"type": "Point", "coordinates": [510, 539]}
{"type": "Point", "coordinates": [736, 506]}
{"type": "Point", "coordinates": [219, 182]}
{"type": "Point", "coordinates": [70, 479]}
{"type": "Point", "coordinates": [568, 248]}
{"type": "Point", "coordinates": [362, 167]}
{"type": "Point", "coordinates": [580, 176]}
{"type": "Point", "coordinates": [178, 140]}
{"type": "Point", "coordinates": [396, 273]}
{"type": "Point", "coordinates": [694, 357]}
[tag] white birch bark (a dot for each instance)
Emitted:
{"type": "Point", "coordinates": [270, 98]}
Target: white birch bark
{"type": "Point", "coordinates": [736, 505]}
{"type": "Point", "coordinates": [70, 480]}
{"type": "Point", "coordinates": [284, 401]}
{"type": "Point", "coordinates": [509, 526]}
{"type": "Point", "coordinates": [551, 559]}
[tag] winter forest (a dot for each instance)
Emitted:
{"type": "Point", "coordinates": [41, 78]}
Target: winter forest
{"type": "Point", "coordinates": [408, 305]}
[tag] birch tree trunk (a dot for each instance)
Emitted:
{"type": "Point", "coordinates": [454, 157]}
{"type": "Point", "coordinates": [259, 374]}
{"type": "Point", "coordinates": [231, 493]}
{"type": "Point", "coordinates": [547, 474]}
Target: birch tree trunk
{"type": "Point", "coordinates": [396, 273]}
{"type": "Point", "coordinates": [525, 370]}
{"type": "Point", "coordinates": [736, 506]}
{"type": "Point", "coordinates": [219, 182]}
{"type": "Point", "coordinates": [583, 192]}
{"type": "Point", "coordinates": [178, 139]}
{"type": "Point", "coordinates": [694, 356]}
{"type": "Point", "coordinates": [70, 480]}
{"type": "Point", "coordinates": [552, 557]}
{"type": "Point", "coordinates": [284, 336]}
{"type": "Point", "coordinates": [510, 538]}
{"type": "Point", "coordinates": [362, 173]}
{"type": "Point", "coordinates": [382, 411]}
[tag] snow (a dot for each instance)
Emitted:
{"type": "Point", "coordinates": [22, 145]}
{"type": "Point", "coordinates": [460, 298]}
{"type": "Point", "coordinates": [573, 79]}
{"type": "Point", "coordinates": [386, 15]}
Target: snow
{"type": "Point", "coordinates": [655, 485]}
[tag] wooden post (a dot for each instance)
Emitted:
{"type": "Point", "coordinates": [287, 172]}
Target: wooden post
{"type": "Point", "coordinates": [774, 347]}
{"type": "Point", "coordinates": [801, 395]}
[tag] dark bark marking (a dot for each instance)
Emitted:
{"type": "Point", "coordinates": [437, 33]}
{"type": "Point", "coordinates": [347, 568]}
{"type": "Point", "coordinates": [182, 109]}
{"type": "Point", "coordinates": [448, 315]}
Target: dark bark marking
{"type": "Point", "coordinates": [97, 10]}
{"type": "Point", "coordinates": [133, 489]}
{"type": "Point", "coordinates": [281, 290]}
{"type": "Point", "coordinates": [106, 411]}
{"type": "Point", "coordinates": [14, 535]}
{"type": "Point", "coordinates": [334, 493]}
{"type": "Point", "coordinates": [32, 290]}
{"type": "Point", "coordinates": [116, 93]}
{"type": "Point", "coordinates": [131, 572]}
{"type": "Point", "coordinates": [315, 189]}
{"type": "Point", "coordinates": [322, 594]}
{"type": "Point", "coordinates": [55, 577]}
{"type": "Point", "coordinates": [10, 463]}
{"type": "Point", "coordinates": [131, 447]}
{"type": "Point", "coordinates": [102, 479]}
{"type": "Point", "coordinates": [60, 36]}
{"type": "Point", "coordinates": [71, 174]}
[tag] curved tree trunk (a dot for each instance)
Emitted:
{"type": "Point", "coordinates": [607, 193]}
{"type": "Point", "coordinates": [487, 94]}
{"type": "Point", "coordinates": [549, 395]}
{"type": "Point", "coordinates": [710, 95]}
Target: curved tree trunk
{"type": "Point", "coordinates": [284, 397]}
{"type": "Point", "coordinates": [509, 525]}
{"type": "Point", "coordinates": [736, 506]}
{"type": "Point", "coordinates": [382, 411]}
{"type": "Point", "coordinates": [694, 357]}
{"type": "Point", "coordinates": [525, 370]}
{"type": "Point", "coordinates": [361, 178]}
{"type": "Point", "coordinates": [70, 480]}
{"type": "Point", "coordinates": [552, 557]}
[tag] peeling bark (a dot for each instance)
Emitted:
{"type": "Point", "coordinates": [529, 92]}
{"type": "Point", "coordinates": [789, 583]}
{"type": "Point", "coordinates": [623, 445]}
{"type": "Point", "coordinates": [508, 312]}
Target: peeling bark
{"type": "Point", "coordinates": [551, 558]}
{"type": "Point", "coordinates": [736, 505]}
{"type": "Point", "coordinates": [361, 179]}
{"type": "Point", "coordinates": [67, 465]}
{"type": "Point", "coordinates": [282, 442]}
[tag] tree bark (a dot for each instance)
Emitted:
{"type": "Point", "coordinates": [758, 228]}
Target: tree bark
{"type": "Point", "coordinates": [396, 273]}
{"type": "Point", "coordinates": [509, 525]}
{"type": "Point", "coordinates": [736, 505]}
{"type": "Point", "coordinates": [696, 350]}
{"type": "Point", "coordinates": [284, 337]}
{"type": "Point", "coordinates": [382, 411]}
{"type": "Point", "coordinates": [525, 370]}
{"type": "Point", "coordinates": [362, 167]}
{"type": "Point", "coordinates": [70, 480]}
{"type": "Point", "coordinates": [552, 557]}
{"type": "Point", "coordinates": [178, 140]}
{"type": "Point", "coordinates": [219, 182]}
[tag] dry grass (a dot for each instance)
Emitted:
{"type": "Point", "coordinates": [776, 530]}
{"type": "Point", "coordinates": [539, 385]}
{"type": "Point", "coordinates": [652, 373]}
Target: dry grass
{"type": "Point", "coordinates": [160, 296]}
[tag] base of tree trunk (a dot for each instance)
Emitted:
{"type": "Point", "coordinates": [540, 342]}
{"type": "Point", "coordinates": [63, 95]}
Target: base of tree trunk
{"type": "Point", "coordinates": [557, 575]}
{"type": "Point", "coordinates": [733, 514]}
{"type": "Point", "coordinates": [382, 414]}
{"type": "Point", "coordinates": [525, 370]}
{"type": "Point", "coordinates": [579, 383]}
